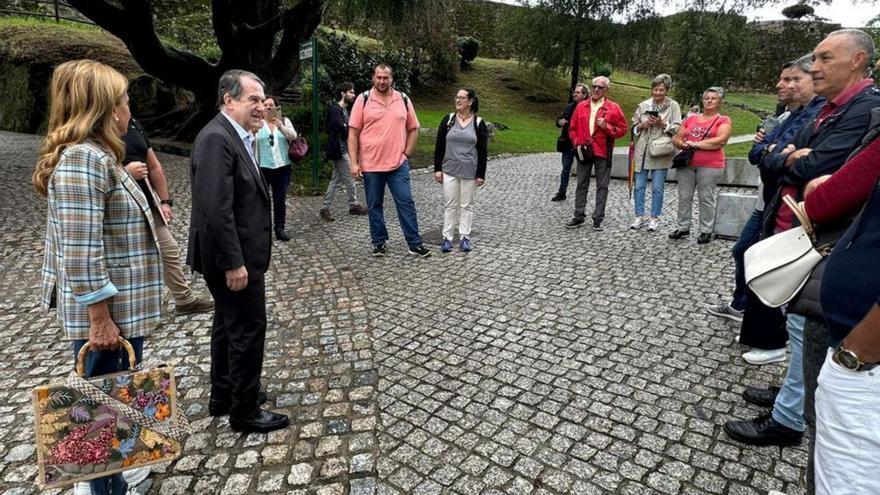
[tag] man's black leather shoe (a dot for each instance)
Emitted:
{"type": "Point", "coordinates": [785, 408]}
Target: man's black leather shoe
{"type": "Point", "coordinates": [764, 397]}
{"type": "Point", "coordinates": [762, 431]}
{"type": "Point", "coordinates": [261, 422]}
{"type": "Point", "coordinates": [558, 197]}
{"type": "Point", "coordinates": [221, 408]}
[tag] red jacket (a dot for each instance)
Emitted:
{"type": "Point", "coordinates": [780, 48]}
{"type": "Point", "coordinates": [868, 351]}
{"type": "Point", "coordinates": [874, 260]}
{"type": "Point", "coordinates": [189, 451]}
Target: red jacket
{"type": "Point", "coordinates": [579, 129]}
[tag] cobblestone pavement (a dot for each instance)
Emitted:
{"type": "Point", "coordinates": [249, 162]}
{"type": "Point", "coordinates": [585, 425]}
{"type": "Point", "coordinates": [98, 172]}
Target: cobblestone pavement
{"type": "Point", "coordinates": [546, 361]}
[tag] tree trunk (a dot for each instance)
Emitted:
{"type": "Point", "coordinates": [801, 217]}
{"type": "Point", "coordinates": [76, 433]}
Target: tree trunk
{"type": "Point", "coordinates": [575, 64]}
{"type": "Point", "coordinates": [246, 33]}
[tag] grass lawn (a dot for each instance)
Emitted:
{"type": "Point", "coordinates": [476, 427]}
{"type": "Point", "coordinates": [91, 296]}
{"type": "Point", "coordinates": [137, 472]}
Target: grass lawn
{"type": "Point", "coordinates": [527, 101]}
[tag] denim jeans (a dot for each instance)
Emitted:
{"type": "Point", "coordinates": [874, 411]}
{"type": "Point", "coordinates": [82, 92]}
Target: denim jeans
{"type": "Point", "coordinates": [751, 233]}
{"type": "Point", "coordinates": [789, 407]}
{"type": "Point", "coordinates": [279, 180]}
{"type": "Point", "coordinates": [398, 183]}
{"type": "Point", "coordinates": [658, 184]}
{"type": "Point", "coordinates": [567, 161]}
{"type": "Point", "coordinates": [102, 363]}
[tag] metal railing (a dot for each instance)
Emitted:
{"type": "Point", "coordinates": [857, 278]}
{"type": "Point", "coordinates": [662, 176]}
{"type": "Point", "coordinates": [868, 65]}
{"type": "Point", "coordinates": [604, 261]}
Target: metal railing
{"type": "Point", "coordinates": [53, 9]}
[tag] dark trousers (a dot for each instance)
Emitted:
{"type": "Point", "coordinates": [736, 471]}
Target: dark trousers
{"type": "Point", "coordinates": [751, 233]}
{"type": "Point", "coordinates": [103, 363]}
{"type": "Point", "coordinates": [603, 178]}
{"type": "Point", "coordinates": [817, 340]}
{"type": "Point", "coordinates": [762, 327]}
{"type": "Point", "coordinates": [278, 180]}
{"type": "Point", "coordinates": [567, 161]}
{"type": "Point", "coordinates": [238, 338]}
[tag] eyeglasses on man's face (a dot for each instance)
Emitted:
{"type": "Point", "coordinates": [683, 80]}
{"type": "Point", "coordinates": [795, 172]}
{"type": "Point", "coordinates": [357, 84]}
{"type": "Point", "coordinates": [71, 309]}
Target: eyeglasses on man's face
{"type": "Point", "coordinates": [597, 87]}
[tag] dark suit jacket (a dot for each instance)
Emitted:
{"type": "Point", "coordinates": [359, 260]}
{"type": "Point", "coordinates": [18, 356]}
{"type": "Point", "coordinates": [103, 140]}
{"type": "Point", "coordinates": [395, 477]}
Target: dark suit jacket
{"type": "Point", "coordinates": [230, 224]}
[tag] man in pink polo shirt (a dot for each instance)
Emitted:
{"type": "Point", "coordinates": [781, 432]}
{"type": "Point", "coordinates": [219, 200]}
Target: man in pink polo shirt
{"type": "Point", "coordinates": [382, 134]}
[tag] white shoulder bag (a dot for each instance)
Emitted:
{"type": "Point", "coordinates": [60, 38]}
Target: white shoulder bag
{"type": "Point", "coordinates": [778, 267]}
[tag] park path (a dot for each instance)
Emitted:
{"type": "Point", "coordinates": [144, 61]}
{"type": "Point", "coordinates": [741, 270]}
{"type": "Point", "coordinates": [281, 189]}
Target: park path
{"type": "Point", "coordinates": [546, 361]}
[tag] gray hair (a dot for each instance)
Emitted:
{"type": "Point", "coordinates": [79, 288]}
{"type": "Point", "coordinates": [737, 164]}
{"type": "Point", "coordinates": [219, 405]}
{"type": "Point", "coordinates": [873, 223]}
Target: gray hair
{"type": "Point", "coordinates": [718, 90]}
{"type": "Point", "coordinates": [664, 79]}
{"type": "Point", "coordinates": [803, 64]}
{"type": "Point", "coordinates": [860, 41]}
{"type": "Point", "coordinates": [230, 83]}
{"type": "Point", "coordinates": [602, 79]}
{"type": "Point", "coordinates": [584, 88]}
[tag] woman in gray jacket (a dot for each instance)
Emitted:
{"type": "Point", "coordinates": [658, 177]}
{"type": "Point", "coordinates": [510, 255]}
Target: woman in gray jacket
{"type": "Point", "coordinates": [655, 122]}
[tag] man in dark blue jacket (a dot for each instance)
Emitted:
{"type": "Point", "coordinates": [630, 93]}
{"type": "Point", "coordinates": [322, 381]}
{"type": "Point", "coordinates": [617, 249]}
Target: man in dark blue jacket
{"type": "Point", "coordinates": [840, 63]}
{"type": "Point", "coordinates": [563, 144]}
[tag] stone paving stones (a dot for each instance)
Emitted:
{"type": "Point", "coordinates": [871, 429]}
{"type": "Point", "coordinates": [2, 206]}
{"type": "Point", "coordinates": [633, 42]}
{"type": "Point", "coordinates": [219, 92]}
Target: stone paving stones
{"type": "Point", "coordinates": [546, 361]}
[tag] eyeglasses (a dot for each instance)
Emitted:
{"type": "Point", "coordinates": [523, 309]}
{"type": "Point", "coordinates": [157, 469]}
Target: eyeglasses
{"type": "Point", "coordinates": [597, 87]}
{"type": "Point", "coordinates": [457, 98]}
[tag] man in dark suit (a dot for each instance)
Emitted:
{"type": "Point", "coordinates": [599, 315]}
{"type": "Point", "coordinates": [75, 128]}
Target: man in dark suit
{"type": "Point", "coordinates": [229, 243]}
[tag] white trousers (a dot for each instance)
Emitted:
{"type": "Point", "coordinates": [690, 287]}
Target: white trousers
{"type": "Point", "coordinates": [459, 194]}
{"type": "Point", "coordinates": [847, 456]}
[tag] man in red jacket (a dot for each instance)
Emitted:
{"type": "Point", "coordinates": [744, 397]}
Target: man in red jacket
{"type": "Point", "coordinates": [594, 126]}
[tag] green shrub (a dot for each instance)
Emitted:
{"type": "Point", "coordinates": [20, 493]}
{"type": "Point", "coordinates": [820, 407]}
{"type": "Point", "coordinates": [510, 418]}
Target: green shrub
{"type": "Point", "coordinates": [601, 69]}
{"type": "Point", "coordinates": [468, 48]}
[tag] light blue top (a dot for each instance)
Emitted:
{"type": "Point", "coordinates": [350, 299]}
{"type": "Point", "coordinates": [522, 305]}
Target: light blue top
{"type": "Point", "coordinates": [273, 153]}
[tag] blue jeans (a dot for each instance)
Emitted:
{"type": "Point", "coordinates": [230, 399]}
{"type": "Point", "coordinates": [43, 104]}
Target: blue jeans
{"type": "Point", "coordinates": [567, 161]}
{"type": "Point", "coordinates": [658, 185]}
{"type": "Point", "coordinates": [751, 233]}
{"type": "Point", "coordinates": [789, 407]}
{"type": "Point", "coordinates": [398, 183]}
{"type": "Point", "coordinates": [102, 363]}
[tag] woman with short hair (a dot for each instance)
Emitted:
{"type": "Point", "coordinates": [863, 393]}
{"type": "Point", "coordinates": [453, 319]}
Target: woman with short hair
{"type": "Point", "coordinates": [705, 134]}
{"type": "Point", "coordinates": [655, 122]}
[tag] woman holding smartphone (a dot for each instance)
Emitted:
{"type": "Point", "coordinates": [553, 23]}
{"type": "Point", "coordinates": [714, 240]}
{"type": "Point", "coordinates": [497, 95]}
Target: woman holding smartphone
{"type": "Point", "coordinates": [655, 122]}
{"type": "Point", "coordinates": [272, 144]}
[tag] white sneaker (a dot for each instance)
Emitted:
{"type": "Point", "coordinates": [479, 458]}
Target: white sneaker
{"type": "Point", "coordinates": [82, 488]}
{"type": "Point", "coordinates": [654, 224]}
{"type": "Point", "coordinates": [775, 492]}
{"type": "Point", "coordinates": [136, 476]}
{"type": "Point", "coordinates": [638, 223]}
{"type": "Point", "coordinates": [762, 356]}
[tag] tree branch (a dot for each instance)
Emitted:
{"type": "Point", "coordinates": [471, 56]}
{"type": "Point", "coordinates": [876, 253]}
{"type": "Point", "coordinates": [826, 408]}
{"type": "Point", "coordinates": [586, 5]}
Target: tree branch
{"type": "Point", "coordinates": [299, 23]}
{"type": "Point", "coordinates": [133, 24]}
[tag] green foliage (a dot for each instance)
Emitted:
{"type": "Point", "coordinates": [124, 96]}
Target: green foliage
{"type": "Point", "coordinates": [468, 48]}
{"type": "Point", "coordinates": [709, 48]}
{"type": "Point", "coordinates": [341, 60]}
{"type": "Point", "coordinates": [798, 11]}
{"type": "Point", "coordinates": [598, 68]}
{"type": "Point", "coordinates": [187, 25]}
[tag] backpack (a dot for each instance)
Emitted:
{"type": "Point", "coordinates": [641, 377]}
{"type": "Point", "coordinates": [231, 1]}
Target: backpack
{"type": "Point", "coordinates": [366, 96]}
{"type": "Point", "coordinates": [450, 122]}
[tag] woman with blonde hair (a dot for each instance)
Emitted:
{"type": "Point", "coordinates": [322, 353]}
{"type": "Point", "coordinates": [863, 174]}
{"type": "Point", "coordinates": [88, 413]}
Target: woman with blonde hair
{"type": "Point", "coordinates": [655, 122]}
{"type": "Point", "coordinates": [102, 268]}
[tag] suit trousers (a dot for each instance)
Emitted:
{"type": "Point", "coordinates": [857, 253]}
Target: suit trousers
{"type": "Point", "coordinates": [238, 337]}
{"type": "Point", "coordinates": [172, 267]}
{"type": "Point", "coordinates": [603, 179]}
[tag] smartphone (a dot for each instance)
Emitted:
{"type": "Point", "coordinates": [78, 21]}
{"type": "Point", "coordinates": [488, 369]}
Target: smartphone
{"type": "Point", "coordinates": [271, 113]}
{"type": "Point", "coordinates": [653, 113]}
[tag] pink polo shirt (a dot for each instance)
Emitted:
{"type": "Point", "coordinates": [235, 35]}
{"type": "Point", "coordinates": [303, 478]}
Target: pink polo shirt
{"type": "Point", "coordinates": [383, 130]}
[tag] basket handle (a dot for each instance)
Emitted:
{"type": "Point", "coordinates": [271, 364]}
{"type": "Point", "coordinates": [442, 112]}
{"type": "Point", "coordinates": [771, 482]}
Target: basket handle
{"type": "Point", "coordinates": [801, 214]}
{"type": "Point", "coordinates": [81, 357]}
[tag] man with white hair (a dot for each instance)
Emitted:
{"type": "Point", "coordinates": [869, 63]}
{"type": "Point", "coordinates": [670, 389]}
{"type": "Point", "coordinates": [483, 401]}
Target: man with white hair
{"type": "Point", "coordinates": [594, 126]}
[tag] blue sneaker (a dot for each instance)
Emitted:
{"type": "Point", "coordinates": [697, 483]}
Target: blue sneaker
{"type": "Point", "coordinates": [446, 246]}
{"type": "Point", "coordinates": [465, 244]}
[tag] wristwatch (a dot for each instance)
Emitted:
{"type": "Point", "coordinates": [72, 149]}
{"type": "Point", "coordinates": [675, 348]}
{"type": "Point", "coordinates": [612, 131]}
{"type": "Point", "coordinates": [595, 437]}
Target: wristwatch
{"type": "Point", "coordinates": [168, 202]}
{"type": "Point", "coordinates": [850, 360]}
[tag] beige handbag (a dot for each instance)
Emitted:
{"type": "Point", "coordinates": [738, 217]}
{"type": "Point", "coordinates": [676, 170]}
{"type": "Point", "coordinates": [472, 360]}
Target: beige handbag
{"type": "Point", "coordinates": [777, 267]}
{"type": "Point", "coordinates": [661, 146]}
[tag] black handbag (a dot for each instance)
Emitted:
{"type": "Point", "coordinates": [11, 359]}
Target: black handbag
{"type": "Point", "coordinates": [584, 153]}
{"type": "Point", "coordinates": [683, 158]}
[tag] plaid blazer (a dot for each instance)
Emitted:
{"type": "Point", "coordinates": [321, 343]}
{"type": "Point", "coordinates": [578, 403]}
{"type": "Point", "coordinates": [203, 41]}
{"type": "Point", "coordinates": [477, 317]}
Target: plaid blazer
{"type": "Point", "coordinates": [100, 245]}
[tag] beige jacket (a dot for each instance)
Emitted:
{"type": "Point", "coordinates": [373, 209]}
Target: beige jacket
{"type": "Point", "coordinates": [670, 112]}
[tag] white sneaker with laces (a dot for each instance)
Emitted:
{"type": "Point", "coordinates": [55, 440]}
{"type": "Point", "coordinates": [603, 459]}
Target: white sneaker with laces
{"type": "Point", "coordinates": [654, 224]}
{"type": "Point", "coordinates": [638, 223]}
{"type": "Point", "coordinates": [763, 356]}
{"type": "Point", "coordinates": [136, 476]}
